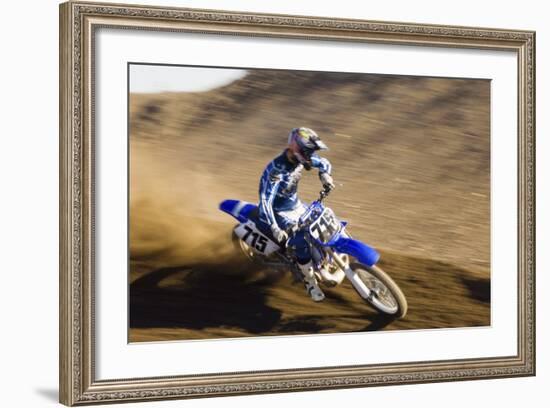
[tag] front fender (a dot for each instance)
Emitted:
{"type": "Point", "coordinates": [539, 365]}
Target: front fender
{"type": "Point", "coordinates": [364, 253]}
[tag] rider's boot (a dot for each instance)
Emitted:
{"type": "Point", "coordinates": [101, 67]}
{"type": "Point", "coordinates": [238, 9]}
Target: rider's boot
{"type": "Point", "coordinates": [312, 287]}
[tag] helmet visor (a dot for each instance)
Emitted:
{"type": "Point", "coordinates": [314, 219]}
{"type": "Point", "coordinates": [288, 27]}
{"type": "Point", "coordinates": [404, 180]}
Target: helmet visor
{"type": "Point", "coordinates": [307, 152]}
{"type": "Point", "coordinates": [320, 145]}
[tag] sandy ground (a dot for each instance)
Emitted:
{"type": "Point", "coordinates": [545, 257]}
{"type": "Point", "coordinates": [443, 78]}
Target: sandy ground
{"type": "Point", "coordinates": [411, 158]}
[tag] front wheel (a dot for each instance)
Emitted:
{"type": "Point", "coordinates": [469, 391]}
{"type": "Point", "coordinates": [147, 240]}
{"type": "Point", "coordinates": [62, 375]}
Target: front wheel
{"type": "Point", "coordinates": [377, 288]}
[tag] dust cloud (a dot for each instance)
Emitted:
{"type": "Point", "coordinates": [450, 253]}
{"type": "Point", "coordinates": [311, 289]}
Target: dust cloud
{"type": "Point", "coordinates": [173, 219]}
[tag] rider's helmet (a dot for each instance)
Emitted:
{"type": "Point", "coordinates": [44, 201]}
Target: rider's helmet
{"type": "Point", "coordinates": [302, 143]}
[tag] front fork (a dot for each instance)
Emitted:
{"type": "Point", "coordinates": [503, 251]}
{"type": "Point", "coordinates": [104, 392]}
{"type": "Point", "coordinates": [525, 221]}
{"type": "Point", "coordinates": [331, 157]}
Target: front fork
{"type": "Point", "coordinates": [336, 277]}
{"type": "Point", "coordinates": [364, 291]}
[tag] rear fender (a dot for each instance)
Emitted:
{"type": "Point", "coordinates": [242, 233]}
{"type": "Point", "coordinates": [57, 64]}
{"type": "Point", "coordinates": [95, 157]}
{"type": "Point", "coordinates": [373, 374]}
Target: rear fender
{"type": "Point", "coordinates": [238, 209]}
{"type": "Point", "coordinates": [364, 253]}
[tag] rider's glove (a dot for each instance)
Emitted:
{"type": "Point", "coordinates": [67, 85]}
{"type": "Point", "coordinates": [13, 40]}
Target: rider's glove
{"type": "Point", "coordinates": [326, 180]}
{"type": "Point", "coordinates": [279, 235]}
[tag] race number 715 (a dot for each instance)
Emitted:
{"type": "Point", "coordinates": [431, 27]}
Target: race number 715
{"type": "Point", "coordinates": [258, 241]}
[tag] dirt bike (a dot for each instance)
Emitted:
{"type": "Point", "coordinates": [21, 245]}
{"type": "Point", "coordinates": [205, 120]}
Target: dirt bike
{"type": "Point", "coordinates": [336, 255]}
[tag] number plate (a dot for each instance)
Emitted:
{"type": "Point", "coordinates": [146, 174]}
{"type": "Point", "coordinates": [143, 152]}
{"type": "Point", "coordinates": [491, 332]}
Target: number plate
{"type": "Point", "coordinates": [250, 234]}
{"type": "Point", "coordinates": [325, 227]}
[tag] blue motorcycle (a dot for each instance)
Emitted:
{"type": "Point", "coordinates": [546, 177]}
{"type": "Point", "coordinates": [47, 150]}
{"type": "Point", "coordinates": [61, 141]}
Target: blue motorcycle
{"type": "Point", "coordinates": [336, 255]}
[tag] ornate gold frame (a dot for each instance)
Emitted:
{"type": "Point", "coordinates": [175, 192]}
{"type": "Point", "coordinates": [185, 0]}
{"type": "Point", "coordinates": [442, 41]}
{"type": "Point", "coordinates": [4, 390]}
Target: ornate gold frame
{"type": "Point", "coordinates": [78, 22]}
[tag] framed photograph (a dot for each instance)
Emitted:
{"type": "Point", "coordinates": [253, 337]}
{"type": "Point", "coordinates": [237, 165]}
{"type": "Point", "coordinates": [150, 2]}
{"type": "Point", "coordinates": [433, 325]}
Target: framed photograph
{"type": "Point", "coordinates": [256, 203]}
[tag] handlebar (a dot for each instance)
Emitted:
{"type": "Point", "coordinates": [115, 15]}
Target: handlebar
{"type": "Point", "coordinates": [324, 194]}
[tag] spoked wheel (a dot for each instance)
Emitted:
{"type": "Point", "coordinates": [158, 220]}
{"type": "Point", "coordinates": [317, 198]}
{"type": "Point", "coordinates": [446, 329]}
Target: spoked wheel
{"type": "Point", "coordinates": [377, 288]}
{"type": "Point", "coordinates": [242, 246]}
{"type": "Point", "coordinates": [272, 274]}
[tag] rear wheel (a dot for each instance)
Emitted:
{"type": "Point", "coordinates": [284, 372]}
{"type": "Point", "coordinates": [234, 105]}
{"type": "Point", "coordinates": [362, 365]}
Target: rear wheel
{"type": "Point", "coordinates": [243, 247]}
{"type": "Point", "coordinates": [271, 273]}
{"type": "Point", "coordinates": [377, 288]}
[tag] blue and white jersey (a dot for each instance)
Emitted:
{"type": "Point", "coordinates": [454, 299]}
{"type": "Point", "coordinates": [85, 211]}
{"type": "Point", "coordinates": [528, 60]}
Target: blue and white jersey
{"type": "Point", "coordinates": [279, 186]}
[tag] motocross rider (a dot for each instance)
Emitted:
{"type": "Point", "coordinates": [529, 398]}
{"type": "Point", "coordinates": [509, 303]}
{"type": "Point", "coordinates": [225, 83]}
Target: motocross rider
{"type": "Point", "coordinates": [280, 208]}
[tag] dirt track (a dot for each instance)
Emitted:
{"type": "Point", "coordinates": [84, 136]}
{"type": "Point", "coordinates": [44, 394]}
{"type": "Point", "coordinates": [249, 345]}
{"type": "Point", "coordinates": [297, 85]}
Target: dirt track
{"type": "Point", "coordinates": [190, 303]}
{"type": "Point", "coordinates": [412, 159]}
